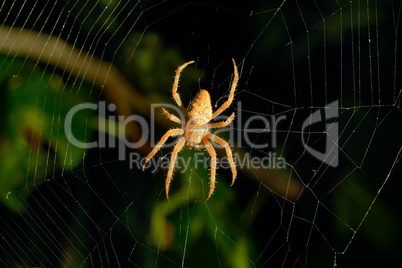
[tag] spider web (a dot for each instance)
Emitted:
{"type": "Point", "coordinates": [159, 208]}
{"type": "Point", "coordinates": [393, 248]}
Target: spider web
{"type": "Point", "coordinates": [317, 190]}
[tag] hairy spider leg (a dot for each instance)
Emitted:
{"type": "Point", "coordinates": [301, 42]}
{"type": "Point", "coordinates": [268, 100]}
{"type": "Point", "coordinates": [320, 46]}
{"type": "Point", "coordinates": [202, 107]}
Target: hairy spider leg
{"type": "Point", "coordinates": [177, 148]}
{"type": "Point", "coordinates": [176, 96]}
{"type": "Point", "coordinates": [170, 133]}
{"type": "Point", "coordinates": [212, 153]}
{"type": "Point", "coordinates": [222, 123]}
{"type": "Point", "coordinates": [225, 144]}
{"type": "Point", "coordinates": [227, 103]}
{"type": "Point", "coordinates": [170, 116]}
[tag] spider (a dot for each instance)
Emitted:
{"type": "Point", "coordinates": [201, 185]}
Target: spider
{"type": "Point", "coordinates": [195, 130]}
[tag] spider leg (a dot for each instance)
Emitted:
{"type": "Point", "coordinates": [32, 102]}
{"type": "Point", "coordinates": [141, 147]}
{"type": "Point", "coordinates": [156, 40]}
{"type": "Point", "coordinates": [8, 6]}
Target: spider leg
{"type": "Point", "coordinates": [224, 144]}
{"type": "Point", "coordinates": [170, 116]}
{"type": "Point", "coordinates": [171, 132]}
{"type": "Point", "coordinates": [177, 148]}
{"type": "Point", "coordinates": [176, 96]}
{"type": "Point", "coordinates": [212, 153]}
{"type": "Point", "coordinates": [222, 123]}
{"type": "Point", "coordinates": [227, 103]}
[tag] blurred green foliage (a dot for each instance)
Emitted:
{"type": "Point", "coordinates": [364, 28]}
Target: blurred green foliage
{"type": "Point", "coordinates": [34, 145]}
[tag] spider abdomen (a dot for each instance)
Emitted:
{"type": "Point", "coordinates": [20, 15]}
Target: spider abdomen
{"type": "Point", "coordinates": [201, 105]}
{"type": "Point", "coordinates": [199, 112]}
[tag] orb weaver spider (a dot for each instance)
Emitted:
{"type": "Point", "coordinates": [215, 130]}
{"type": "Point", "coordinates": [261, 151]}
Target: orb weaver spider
{"type": "Point", "coordinates": [196, 128]}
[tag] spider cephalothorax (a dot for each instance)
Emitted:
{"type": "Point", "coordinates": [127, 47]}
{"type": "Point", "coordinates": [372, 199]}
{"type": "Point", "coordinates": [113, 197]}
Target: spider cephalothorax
{"type": "Point", "coordinates": [195, 130]}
